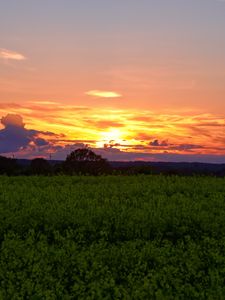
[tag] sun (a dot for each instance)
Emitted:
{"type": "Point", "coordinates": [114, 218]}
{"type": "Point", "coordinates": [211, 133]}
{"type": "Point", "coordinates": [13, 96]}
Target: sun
{"type": "Point", "coordinates": [111, 137]}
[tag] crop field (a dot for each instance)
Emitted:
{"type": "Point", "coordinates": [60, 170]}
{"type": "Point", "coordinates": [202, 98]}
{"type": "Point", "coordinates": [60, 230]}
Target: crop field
{"type": "Point", "coordinates": [112, 237]}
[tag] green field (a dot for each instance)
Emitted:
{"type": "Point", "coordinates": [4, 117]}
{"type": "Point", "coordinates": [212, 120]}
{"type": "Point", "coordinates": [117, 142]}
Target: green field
{"type": "Point", "coordinates": [113, 237]}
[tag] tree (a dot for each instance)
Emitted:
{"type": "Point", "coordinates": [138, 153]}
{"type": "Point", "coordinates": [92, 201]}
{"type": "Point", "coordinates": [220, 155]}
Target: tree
{"type": "Point", "coordinates": [40, 166]}
{"type": "Point", "coordinates": [8, 166]}
{"type": "Point", "coordinates": [85, 161]}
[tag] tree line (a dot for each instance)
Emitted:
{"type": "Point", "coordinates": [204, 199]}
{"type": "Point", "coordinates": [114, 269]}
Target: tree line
{"type": "Point", "coordinates": [80, 161]}
{"type": "Point", "coordinates": [85, 162]}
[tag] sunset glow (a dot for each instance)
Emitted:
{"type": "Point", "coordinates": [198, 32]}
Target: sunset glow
{"type": "Point", "coordinates": [134, 80]}
{"type": "Point", "coordinates": [103, 94]}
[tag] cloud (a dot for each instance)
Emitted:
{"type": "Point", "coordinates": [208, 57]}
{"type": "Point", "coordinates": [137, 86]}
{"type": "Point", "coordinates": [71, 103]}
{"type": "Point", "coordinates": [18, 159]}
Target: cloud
{"type": "Point", "coordinates": [141, 136]}
{"type": "Point", "coordinates": [103, 124]}
{"type": "Point", "coordinates": [57, 152]}
{"type": "Point", "coordinates": [156, 143]}
{"type": "Point", "coordinates": [11, 55]}
{"type": "Point", "coordinates": [158, 147]}
{"type": "Point", "coordinates": [177, 147]}
{"type": "Point", "coordinates": [15, 137]}
{"type": "Point", "coordinates": [114, 154]}
{"type": "Point", "coordinates": [30, 143]}
{"type": "Point", "coordinates": [41, 142]}
{"type": "Point", "coordinates": [141, 132]}
{"type": "Point", "coordinates": [12, 120]}
{"type": "Point", "coordinates": [186, 147]}
{"type": "Point", "coordinates": [103, 94]}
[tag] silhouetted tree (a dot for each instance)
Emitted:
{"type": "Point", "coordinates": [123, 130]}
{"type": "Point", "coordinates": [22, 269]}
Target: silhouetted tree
{"type": "Point", "coordinates": [8, 166]}
{"type": "Point", "coordinates": [40, 166]}
{"type": "Point", "coordinates": [85, 161]}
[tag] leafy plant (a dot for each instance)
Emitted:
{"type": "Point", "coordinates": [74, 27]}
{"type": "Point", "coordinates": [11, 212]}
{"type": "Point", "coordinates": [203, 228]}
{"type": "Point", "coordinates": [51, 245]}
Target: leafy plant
{"type": "Point", "coordinates": [112, 237]}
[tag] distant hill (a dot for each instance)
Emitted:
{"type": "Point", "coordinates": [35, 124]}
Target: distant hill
{"type": "Point", "coordinates": [26, 162]}
{"type": "Point", "coordinates": [174, 167]}
{"type": "Point", "coordinates": [180, 168]}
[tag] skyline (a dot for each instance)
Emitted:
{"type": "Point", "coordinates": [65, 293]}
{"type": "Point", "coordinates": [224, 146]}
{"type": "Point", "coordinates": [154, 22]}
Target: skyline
{"type": "Point", "coordinates": [133, 80]}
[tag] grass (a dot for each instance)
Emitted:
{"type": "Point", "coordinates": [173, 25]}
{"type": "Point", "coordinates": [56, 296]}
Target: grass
{"type": "Point", "coordinates": [112, 237]}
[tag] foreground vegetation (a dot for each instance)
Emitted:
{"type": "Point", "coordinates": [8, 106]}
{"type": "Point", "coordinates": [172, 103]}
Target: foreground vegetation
{"type": "Point", "coordinates": [112, 237]}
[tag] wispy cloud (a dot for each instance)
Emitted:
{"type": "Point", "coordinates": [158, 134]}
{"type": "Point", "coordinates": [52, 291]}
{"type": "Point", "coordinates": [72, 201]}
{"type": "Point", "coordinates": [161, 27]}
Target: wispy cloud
{"type": "Point", "coordinates": [55, 128]}
{"type": "Point", "coordinates": [103, 94]}
{"type": "Point", "coordinates": [11, 55]}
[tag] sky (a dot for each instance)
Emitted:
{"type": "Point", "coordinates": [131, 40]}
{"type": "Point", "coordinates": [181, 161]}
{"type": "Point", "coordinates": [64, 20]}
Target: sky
{"type": "Point", "coordinates": [132, 79]}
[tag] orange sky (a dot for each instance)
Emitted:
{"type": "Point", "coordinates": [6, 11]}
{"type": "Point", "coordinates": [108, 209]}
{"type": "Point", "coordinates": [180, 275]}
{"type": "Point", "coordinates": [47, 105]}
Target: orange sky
{"type": "Point", "coordinates": [128, 130]}
{"type": "Point", "coordinates": [141, 77]}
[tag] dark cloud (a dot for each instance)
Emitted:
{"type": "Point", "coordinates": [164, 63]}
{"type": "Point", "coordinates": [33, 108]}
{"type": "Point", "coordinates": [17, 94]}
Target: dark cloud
{"type": "Point", "coordinates": [60, 152]}
{"type": "Point", "coordinates": [14, 136]}
{"type": "Point", "coordinates": [112, 144]}
{"type": "Point", "coordinates": [29, 143]}
{"type": "Point", "coordinates": [186, 147]}
{"type": "Point", "coordinates": [41, 142]}
{"type": "Point", "coordinates": [178, 147]}
{"type": "Point", "coordinates": [114, 154]}
{"type": "Point", "coordinates": [156, 143]}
